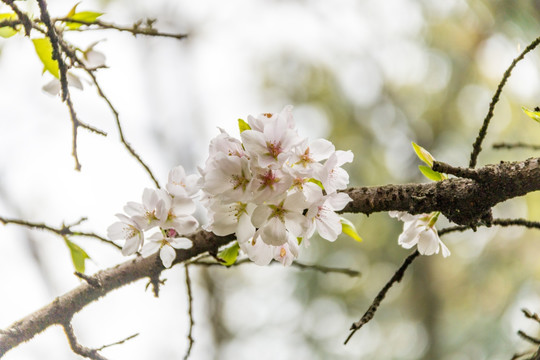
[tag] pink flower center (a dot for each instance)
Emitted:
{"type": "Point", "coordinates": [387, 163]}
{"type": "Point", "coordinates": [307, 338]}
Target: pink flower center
{"type": "Point", "coordinates": [268, 179]}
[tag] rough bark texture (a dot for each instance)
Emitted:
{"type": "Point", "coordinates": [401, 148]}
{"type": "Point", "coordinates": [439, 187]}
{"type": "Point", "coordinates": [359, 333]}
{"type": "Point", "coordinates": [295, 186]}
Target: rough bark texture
{"type": "Point", "coordinates": [464, 201]}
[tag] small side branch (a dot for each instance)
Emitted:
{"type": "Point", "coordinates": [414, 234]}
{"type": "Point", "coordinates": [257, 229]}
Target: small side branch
{"type": "Point", "coordinates": [368, 315]}
{"type": "Point", "coordinates": [477, 146]}
{"type": "Point", "coordinates": [65, 230]}
{"type": "Point", "coordinates": [518, 145]}
{"type": "Point", "coordinates": [118, 342]}
{"type": "Point", "coordinates": [191, 341]}
{"type": "Point", "coordinates": [78, 348]}
{"type": "Point", "coordinates": [136, 29]}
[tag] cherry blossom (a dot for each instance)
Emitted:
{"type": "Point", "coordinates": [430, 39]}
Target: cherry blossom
{"type": "Point", "coordinates": [166, 245]}
{"type": "Point", "coordinates": [420, 230]}
{"type": "Point", "coordinates": [128, 229]}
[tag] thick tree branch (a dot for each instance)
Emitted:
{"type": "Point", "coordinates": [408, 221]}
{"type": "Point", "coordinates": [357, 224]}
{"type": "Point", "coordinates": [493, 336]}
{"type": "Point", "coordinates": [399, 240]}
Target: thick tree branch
{"type": "Point", "coordinates": [63, 308]}
{"type": "Point", "coordinates": [463, 201]}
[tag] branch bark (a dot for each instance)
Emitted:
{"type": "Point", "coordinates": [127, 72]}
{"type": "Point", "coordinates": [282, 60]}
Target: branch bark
{"type": "Point", "coordinates": [464, 201]}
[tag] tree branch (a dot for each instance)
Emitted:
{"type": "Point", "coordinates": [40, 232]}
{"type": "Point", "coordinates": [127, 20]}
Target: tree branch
{"type": "Point", "coordinates": [461, 200]}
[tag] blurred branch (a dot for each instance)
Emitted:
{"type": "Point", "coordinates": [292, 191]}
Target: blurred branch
{"type": "Point", "coordinates": [517, 145]}
{"type": "Point", "coordinates": [190, 312]}
{"type": "Point", "coordinates": [118, 342]}
{"type": "Point", "coordinates": [477, 146]}
{"type": "Point", "coordinates": [320, 268]}
{"type": "Point", "coordinates": [368, 315]}
{"type": "Point", "coordinates": [139, 28]}
{"type": "Point", "coordinates": [499, 222]}
{"type": "Point", "coordinates": [64, 231]}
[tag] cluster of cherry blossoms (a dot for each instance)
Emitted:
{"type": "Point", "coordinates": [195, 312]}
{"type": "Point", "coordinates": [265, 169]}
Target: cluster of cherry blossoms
{"type": "Point", "coordinates": [169, 211]}
{"type": "Point", "coordinates": [273, 188]}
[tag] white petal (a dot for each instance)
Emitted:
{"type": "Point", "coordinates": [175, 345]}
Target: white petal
{"type": "Point", "coordinates": [274, 232]}
{"type": "Point", "coordinates": [428, 242]}
{"type": "Point", "coordinates": [150, 248]}
{"type": "Point", "coordinates": [181, 243]}
{"type": "Point", "coordinates": [445, 250]}
{"type": "Point", "coordinates": [260, 215]}
{"type": "Point", "coordinates": [167, 255]}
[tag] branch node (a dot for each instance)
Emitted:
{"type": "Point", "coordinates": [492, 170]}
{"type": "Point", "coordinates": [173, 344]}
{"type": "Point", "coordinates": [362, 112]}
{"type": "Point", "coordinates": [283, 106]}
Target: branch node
{"type": "Point", "coordinates": [91, 280]}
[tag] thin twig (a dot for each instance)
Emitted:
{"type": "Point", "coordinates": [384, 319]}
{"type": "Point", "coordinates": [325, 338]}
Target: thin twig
{"type": "Point", "coordinates": [191, 341]}
{"type": "Point", "coordinates": [529, 338]}
{"type": "Point", "coordinates": [368, 315]}
{"type": "Point", "coordinates": [466, 173]}
{"type": "Point", "coordinates": [78, 348]}
{"type": "Point", "coordinates": [530, 315]}
{"type": "Point", "coordinates": [135, 29]}
{"type": "Point", "coordinates": [320, 268]}
{"type": "Point", "coordinates": [63, 68]}
{"type": "Point", "coordinates": [63, 231]}
{"type": "Point", "coordinates": [25, 20]}
{"type": "Point", "coordinates": [119, 127]}
{"type": "Point", "coordinates": [118, 342]}
{"type": "Point", "coordinates": [517, 145]}
{"type": "Point", "coordinates": [477, 146]}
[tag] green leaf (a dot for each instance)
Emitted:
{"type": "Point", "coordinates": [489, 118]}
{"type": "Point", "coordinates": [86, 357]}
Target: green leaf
{"type": "Point", "coordinates": [348, 228]}
{"type": "Point", "coordinates": [78, 255]}
{"type": "Point", "coordinates": [315, 181]}
{"type": "Point", "coordinates": [7, 31]}
{"type": "Point", "coordinates": [423, 154]}
{"type": "Point", "coordinates": [44, 50]}
{"type": "Point", "coordinates": [229, 255]}
{"type": "Point", "coordinates": [86, 16]}
{"type": "Point", "coordinates": [431, 174]}
{"type": "Point", "coordinates": [243, 126]}
{"type": "Point", "coordinates": [73, 10]}
{"type": "Point", "coordinates": [533, 114]}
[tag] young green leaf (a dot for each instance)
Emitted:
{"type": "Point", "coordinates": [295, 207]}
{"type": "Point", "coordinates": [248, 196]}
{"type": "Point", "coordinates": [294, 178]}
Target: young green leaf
{"type": "Point", "coordinates": [229, 255]}
{"type": "Point", "coordinates": [73, 10]}
{"type": "Point", "coordinates": [7, 31]}
{"type": "Point", "coordinates": [317, 182]}
{"type": "Point", "coordinates": [86, 16]}
{"type": "Point", "coordinates": [431, 174]}
{"type": "Point", "coordinates": [243, 126]}
{"type": "Point", "coordinates": [44, 51]}
{"type": "Point", "coordinates": [78, 255]}
{"type": "Point", "coordinates": [423, 154]}
{"type": "Point", "coordinates": [348, 228]}
{"type": "Point", "coordinates": [533, 114]}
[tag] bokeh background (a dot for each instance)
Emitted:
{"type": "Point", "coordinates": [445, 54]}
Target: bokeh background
{"type": "Point", "coordinates": [371, 76]}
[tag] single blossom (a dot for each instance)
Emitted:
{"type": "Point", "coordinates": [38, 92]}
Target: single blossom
{"type": "Point", "coordinates": [321, 215]}
{"type": "Point", "coordinates": [331, 175]}
{"type": "Point", "coordinates": [420, 230]}
{"type": "Point", "coordinates": [181, 185]}
{"type": "Point", "coordinates": [127, 229]}
{"type": "Point", "coordinates": [166, 243]}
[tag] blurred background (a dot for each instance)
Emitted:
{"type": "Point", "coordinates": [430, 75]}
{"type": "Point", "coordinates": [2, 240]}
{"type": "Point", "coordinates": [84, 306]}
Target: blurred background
{"type": "Point", "coordinates": [371, 76]}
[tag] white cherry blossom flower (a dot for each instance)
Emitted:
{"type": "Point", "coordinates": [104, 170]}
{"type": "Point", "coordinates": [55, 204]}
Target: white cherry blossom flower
{"type": "Point", "coordinates": [306, 157]}
{"type": "Point", "coordinates": [271, 146]}
{"type": "Point", "coordinates": [231, 178]}
{"type": "Point", "coordinates": [166, 244]}
{"type": "Point", "coordinates": [287, 252]}
{"type": "Point", "coordinates": [420, 230]}
{"type": "Point", "coordinates": [275, 221]}
{"type": "Point", "coordinates": [257, 250]}
{"type": "Point", "coordinates": [321, 215]}
{"type": "Point", "coordinates": [332, 176]}
{"type": "Point", "coordinates": [181, 185]}
{"type": "Point", "coordinates": [127, 229]}
{"type": "Point", "coordinates": [54, 87]}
